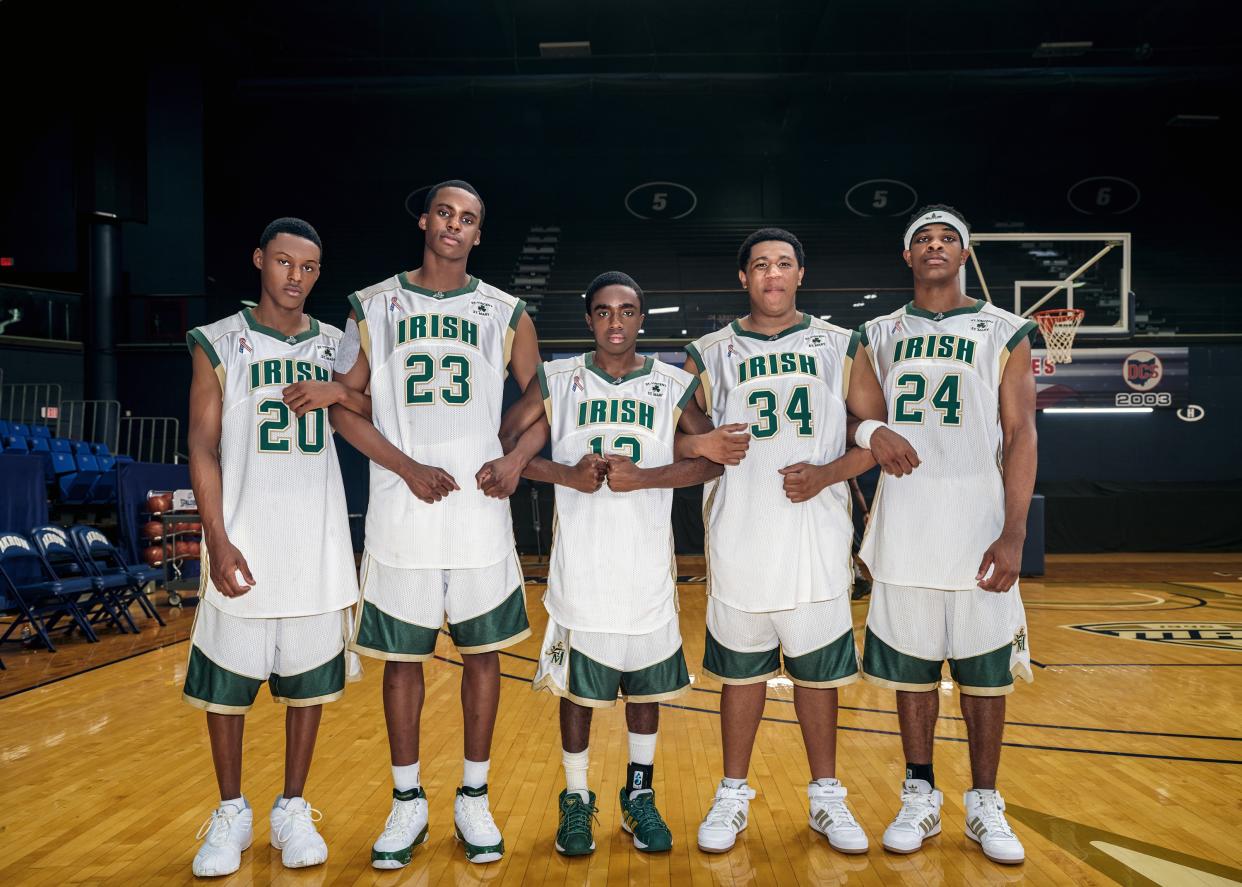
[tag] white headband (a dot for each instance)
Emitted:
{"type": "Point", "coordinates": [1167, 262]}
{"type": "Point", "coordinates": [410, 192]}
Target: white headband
{"type": "Point", "coordinates": [936, 217]}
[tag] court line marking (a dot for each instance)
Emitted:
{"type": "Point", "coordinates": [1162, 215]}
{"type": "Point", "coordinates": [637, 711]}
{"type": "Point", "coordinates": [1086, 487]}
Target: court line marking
{"type": "Point", "coordinates": [66, 677]}
{"type": "Point", "coordinates": [1081, 751]}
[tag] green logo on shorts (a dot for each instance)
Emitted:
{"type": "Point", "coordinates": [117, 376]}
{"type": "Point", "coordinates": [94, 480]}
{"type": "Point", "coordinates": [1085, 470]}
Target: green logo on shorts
{"type": "Point", "coordinates": [1019, 640]}
{"type": "Point", "coordinates": [556, 653]}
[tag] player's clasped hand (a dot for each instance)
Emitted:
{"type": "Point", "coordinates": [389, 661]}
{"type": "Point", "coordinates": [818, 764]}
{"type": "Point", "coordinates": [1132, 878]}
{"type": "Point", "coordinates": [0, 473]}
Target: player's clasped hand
{"type": "Point", "coordinates": [726, 445]}
{"type": "Point", "coordinates": [302, 397]}
{"type": "Point", "coordinates": [229, 569]}
{"type": "Point", "coordinates": [428, 483]}
{"type": "Point", "coordinates": [998, 570]}
{"type": "Point", "coordinates": [588, 475]}
{"type": "Point", "coordinates": [893, 452]}
{"type": "Point", "coordinates": [804, 481]}
{"type": "Point", "coordinates": [499, 477]}
{"type": "Point", "coordinates": [623, 475]}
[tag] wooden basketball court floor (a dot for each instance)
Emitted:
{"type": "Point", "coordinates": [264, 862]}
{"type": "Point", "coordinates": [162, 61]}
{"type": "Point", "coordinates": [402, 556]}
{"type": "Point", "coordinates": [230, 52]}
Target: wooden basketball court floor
{"type": "Point", "coordinates": [1122, 763]}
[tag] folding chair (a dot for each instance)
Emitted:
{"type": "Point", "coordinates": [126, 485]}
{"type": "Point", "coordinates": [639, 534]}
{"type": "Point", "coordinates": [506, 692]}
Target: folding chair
{"type": "Point", "coordinates": [102, 557]}
{"type": "Point", "coordinates": [40, 598]}
{"type": "Point", "coordinates": [101, 600]}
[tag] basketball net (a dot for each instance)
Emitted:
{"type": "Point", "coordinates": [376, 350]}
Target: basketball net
{"type": "Point", "coordinates": [1059, 326]}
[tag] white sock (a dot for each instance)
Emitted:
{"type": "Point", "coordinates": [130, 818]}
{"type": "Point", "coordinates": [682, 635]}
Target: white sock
{"type": "Point", "coordinates": [405, 777]}
{"type": "Point", "coordinates": [733, 783]}
{"type": "Point", "coordinates": [642, 748]}
{"type": "Point", "coordinates": [576, 765]}
{"type": "Point", "coordinates": [239, 802]}
{"type": "Point", "coordinates": [474, 773]}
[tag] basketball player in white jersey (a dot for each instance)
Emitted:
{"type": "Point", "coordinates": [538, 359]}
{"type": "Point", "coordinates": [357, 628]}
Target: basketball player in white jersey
{"type": "Point", "coordinates": [434, 346]}
{"type": "Point", "coordinates": [945, 543]}
{"type": "Point", "coordinates": [612, 602]}
{"type": "Point", "coordinates": [278, 567]}
{"type": "Point", "coordinates": [779, 528]}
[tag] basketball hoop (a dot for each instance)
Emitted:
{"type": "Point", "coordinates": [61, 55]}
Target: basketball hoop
{"type": "Point", "coordinates": [1059, 326]}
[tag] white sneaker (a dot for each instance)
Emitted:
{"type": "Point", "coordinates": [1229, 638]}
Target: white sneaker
{"type": "Point", "coordinates": [918, 819]}
{"type": "Point", "coordinates": [986, 824]}
{"type": "Point", "coordinates": [831, 817]}
{"type": "Point", "coordinates": [228, 832]}
{"type": "Point", "coordinates": [295, 836]}
{"type": "Point", "coordinates": [729, 815]}
{"type": "Point", "coordinates": [475, 827]}
{"type": "Point", "coordinates": [405, 829]}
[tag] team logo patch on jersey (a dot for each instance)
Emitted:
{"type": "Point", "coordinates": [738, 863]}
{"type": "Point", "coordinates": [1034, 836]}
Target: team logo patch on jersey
{"type": "Point", "coordinates": [327, 352]}
{"type": "Point", "coordinates": [655, 389]}
{"type": "Point", "coordinates": [556, 653]}
{"type": "Point", "coordinates": [1216, 635]}
{"type": "Point", "coordinates": [483, 309]}
{"type": "Point", "coordinates": [243, 345]}
{"type": "Point", "coordinates": [981, 325]}
{"type": "Point", "coordinates": [817, 341]}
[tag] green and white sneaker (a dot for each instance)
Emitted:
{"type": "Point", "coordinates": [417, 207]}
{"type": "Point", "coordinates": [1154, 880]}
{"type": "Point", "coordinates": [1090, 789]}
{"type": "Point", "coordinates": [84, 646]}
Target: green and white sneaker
{"type": "Point", "coordinates": [573, 835]}
{"type": "Point", "coordinates": [405, 829]}
{"type": "Point", "coordinates": [641, 819]}
{"type": "Point", "coordinates": [475, 827]}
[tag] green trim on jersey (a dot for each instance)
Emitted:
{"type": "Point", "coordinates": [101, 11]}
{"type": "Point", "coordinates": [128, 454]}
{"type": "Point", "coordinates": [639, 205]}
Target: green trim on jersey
{"type": "Point", "coordinates": [692, 351]}
{"type": "Point", "coordinates": [855, 340]}
{"type": "Point", "coordinates": [916, 311]}
{"type": "Point", "coordinates": [637, 374]}
{"type": "Point", "coordinates": [736, 326]}
{"type": "Point", "coordinates": [197, 337]}
{"type": "Point", "coordinates": [542, 375]}
{"type": "Point", "coordinates": [518, 310]}
{"type": "Point", "coordinates": [360, 316]}
{"type": "Point", "coordinates": [862, 335]}
{"type": "Point", "coordinates": [327, 680]}
{"type": "Point", "coordinates": [831, 663]}
{"type": "Point", "coordinates": [1027, 330]}
{"type": "Point", "coordinates": [254, 324]}
{"type": "Point", "coordinates": [690, 389]}
{"type": "Point", "coordinates": [472, 283]}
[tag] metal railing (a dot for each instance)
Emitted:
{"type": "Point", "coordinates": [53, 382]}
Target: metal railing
{"type": "Point", "coordinates": [96, 421]}
{"type": "Point", "coordinates": [30, 403]}
{"type": "Point", "coordinates": [35, 313]}
{"type": "Point", "coordinates": [149, 438]}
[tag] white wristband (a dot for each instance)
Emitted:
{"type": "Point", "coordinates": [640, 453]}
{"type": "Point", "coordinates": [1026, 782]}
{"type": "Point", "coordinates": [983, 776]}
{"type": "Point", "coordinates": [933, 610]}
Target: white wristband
{"type": "Point", "coordinates": [866, 428]}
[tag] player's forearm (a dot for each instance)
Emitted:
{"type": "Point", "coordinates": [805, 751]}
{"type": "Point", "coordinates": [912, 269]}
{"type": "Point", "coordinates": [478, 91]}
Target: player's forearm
{"type": "Point", "coordinates": [686, 446]}
{"type": "Point", "coordinates": [207, 482]}
{"type": "Point", "coordinates": [854, 462]}
{"type": "Point", "coordinates": [530, 444]}
{"type": "Point", "coordinates": [682, 473]}
{"type": "Point", "coordinates": [355, 401]}
{"type": "Point", "coordinates": [364, 437]}
{"type": "Point", "coordinates": [548, 472]}
{"type": "Point", "coordinates": [1020, 459]}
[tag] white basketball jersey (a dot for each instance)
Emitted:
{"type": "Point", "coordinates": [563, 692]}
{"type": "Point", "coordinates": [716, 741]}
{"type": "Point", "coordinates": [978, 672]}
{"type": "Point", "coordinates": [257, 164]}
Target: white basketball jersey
{"type": "Point", "coordinates": [284, 503]}
{"type": "Point", "coordinates": [941, 377]}
{"type": "Point", "coordinates": [612, 567]}
{"type": "Point", "coordinates": [438, 365]}
{"type": "Point", "coordinates": [764, 552]}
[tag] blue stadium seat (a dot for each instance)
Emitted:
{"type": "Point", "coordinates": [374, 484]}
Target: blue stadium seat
{"type": "Point", "coordinates": [41, 599]}
{"type": "Point", "coordinates": [104, 490]}
{"type": "Point", "coordinates": [39, 447]}
{"type": "Point", "coordinates": [102, 556]}
{"type": "Point", "coordinates": [40, 431]}
{"type": "Point", "coordinates": [101, 450]}
{"type": "Point", "coordinates": [59, 445]}
{"type": "Point", "coordinates": [6, 428]}
{"type": "Point", "coordinates": [76, 489]}
{"type": "Point", "coordinates": [19, 428]}
{"type": "Point", "coordinates": [81, 448]}
{"type": "Point", "coordinates": [17, 443]}
{"type": "Point", "coordinates": [100, 599]}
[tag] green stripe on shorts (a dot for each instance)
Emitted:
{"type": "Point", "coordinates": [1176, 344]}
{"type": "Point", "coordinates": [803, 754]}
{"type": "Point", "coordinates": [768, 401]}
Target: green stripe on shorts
{"type": "Point", "coordinates": [897, 669]}
{"type": "Point", "coordinates": [216, 686]}
{"type": "Point", "coordinates": [382, 633]}
{"type": "Point", "coordinates": [492, 629]}
{"type": "Point", "coordinates": [831, 663]}
{"type": "Point", "coordinates": [985, 672]}
{"type": "Point", "coordinates": [311, 686]}
{"type": "Point", "coordinates": [740, 667]}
